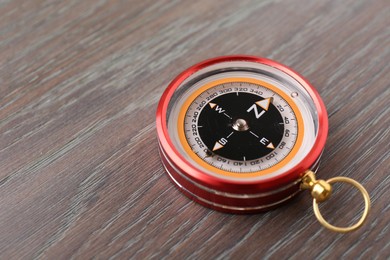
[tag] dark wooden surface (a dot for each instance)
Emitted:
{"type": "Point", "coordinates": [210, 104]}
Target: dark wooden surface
{"type": "Point", "coordinates": [80, 175]}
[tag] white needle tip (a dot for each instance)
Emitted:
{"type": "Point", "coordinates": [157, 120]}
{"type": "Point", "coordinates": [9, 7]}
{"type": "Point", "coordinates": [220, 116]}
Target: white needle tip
{"type": "Point", "coordinates": [271, 146]}
{"type": "Point", "coordinates": [217, 146]}
{"type": "Point", "coordinates": [264, 104]}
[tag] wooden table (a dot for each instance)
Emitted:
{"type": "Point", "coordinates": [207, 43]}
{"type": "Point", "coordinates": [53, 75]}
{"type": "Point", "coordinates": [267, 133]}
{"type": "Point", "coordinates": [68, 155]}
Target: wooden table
{"type": "Point", "coordinates": [80, 172]}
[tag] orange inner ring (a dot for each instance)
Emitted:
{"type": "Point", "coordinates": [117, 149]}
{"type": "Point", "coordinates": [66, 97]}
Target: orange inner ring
{"type": "Point", "coordinates": [211, 168]}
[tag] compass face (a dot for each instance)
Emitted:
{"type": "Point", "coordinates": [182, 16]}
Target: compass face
{"type": "Point", "coordinates": [240, 125]}
{"type": "Point", "coordinates": [247, 126]}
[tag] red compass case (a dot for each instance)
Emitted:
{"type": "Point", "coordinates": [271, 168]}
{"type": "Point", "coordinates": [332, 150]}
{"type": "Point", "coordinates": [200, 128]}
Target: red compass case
{"type": "Point", "coordinates": [237, 133]}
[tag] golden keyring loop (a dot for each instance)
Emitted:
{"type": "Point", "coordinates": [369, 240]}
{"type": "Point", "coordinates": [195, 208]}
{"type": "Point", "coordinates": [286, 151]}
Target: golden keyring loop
{"type": "Point", "coordinates": [367, 205]}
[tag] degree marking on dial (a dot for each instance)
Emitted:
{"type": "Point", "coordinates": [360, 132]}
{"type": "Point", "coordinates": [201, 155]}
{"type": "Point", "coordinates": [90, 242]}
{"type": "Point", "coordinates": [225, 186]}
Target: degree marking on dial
{"type": "Point", "coordinates": [208, 154]}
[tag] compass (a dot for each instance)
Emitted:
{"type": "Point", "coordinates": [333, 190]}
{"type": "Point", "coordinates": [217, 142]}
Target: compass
{"type": "Point", "coordinates": [239, 134]}
{"type": "Point", "coordinates": [245, 127]}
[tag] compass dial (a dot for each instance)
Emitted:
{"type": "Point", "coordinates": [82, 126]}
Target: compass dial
{"type": "Point", "coordinates": [240, 125]}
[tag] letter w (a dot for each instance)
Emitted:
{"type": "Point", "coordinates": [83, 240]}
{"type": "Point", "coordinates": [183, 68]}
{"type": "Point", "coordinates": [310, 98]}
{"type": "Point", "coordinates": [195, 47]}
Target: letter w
{"type": "Point", "coordinates": [257, 114]}
{"type": "Point", "coordinates": [219, 109]}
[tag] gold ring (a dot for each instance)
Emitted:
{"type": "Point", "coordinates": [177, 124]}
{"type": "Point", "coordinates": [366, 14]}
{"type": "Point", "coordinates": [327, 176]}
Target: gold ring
{"type": "Point", "coordinates": [367, 205]}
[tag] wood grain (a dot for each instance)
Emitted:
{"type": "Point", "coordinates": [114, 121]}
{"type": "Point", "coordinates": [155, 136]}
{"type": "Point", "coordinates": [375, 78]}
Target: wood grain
{"type": "Point", "coordinates": [79, 83]}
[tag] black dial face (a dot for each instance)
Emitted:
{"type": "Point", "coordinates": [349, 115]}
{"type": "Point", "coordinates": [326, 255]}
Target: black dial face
{"type": "Point", "coordinates": [239, 127]}
{"type": "Point", "coordinates": [247, 125]}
